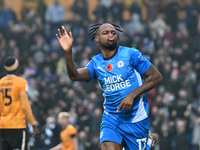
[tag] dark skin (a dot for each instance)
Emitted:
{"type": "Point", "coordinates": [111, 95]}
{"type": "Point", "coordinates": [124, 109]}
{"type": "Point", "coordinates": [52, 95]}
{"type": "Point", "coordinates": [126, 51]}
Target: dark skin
{"type": "Point", "coordinates": [106, 37]}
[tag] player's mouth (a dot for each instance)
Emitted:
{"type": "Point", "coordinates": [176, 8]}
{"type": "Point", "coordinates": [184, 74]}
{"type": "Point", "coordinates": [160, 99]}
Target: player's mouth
{"type": "Point", "coordinates": [111, 38]}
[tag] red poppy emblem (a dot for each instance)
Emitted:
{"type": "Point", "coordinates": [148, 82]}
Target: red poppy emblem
{"type": "Point", "coordinates": [109, 67]}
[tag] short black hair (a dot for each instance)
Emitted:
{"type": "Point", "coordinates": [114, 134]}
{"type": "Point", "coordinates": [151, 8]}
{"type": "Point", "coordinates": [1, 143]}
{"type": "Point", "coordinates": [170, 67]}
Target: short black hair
{"type": "Point", "coordinates": [95, 27]}
{"type": "Point", "coordinates": [9, 61]}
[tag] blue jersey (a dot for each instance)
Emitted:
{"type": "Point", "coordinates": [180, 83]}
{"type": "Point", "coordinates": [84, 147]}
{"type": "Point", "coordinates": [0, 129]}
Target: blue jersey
{"type": "Point", "coordinates": [117, 77]}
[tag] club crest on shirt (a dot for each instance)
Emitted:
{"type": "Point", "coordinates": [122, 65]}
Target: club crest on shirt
{"type": "Point", "coordinates": [120, 64]}
{"type": "Point", "coordinates": [109, 67]}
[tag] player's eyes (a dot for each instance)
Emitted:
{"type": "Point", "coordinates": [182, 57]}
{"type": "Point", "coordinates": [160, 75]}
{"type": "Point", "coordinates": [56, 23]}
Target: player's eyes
{"type": "Point", "coordinates": [114, 33]}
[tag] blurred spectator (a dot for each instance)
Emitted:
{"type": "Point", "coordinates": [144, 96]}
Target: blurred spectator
{"type": "Point", "coordinates": [82, 140]}
{"type": "Point", "coordinates": [6, 15]}
{"type": "Point", "coordinates": [134, 26]}
{"type": "Point", "coordinates": [41, 8]}
{"type": "Point", "coordinates": [171, 11]}
{"type": "Point", "coordinates": [39, 49]}
{"type": "Point", "coordinates": [54, 17]}
{"type": "Point", "coordinates": [135, 7]}
{"type": "Point", "coordinates": [153, 9]}
{"type": "Point", "coordinates": [116, 10]}
{"type": "Point", "coordinates": [95, 121]}
{"type": "Point", "coordinates": [196, 135]}
{"type": "Point", "coordinates": [158, 26]}
{"type": "Point", "coordinates": [80, 11]}
{"type": "Point", "coordinates": [107, 3]}
{"type": "Point", "coordinates": [191, 16]}
{"type": "Point", "coordinates": [165, 138]}
{"type": "Point", "coordinates": [181, 136]}
{"type": "Point", "coordinates": [50, 134]}
{"type": "Point", "coordinates": [100, 11]}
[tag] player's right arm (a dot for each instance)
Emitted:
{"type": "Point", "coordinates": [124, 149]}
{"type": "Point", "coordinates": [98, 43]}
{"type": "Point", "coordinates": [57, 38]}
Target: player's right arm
{"type": "Point", "coordinates": [29, 115]}
{"type": "Point", "coordinates": [57, 147]}
{"type": "Point", "coordinates": [66, 41]}
{"type": "Point", "coordinates": [27, 108]}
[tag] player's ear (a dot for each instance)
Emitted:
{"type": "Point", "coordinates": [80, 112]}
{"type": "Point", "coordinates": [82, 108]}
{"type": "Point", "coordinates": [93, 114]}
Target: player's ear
{"type": "Point", "coordinates": [96, 39]}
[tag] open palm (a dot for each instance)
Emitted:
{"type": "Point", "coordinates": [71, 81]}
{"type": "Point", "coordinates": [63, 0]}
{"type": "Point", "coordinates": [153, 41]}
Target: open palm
{"type": "Point", "coordinates": [65, 39]}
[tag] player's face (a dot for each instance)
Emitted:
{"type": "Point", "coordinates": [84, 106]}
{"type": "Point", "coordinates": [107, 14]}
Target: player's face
{"type": "Point", "coordinates": [63, 121]}
{"type": "Point", "coordinates": [107, 37]}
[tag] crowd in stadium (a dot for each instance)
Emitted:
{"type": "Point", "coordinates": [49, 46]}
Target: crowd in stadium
{"type": "Point", "coordinates": [169, 41]}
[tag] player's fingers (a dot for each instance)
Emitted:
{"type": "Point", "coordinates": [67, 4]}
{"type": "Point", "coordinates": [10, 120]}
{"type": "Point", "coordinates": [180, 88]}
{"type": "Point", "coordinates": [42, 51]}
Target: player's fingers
{"type": "Point", "coordinates": [57, 37]}
{"type": "Point", "coordinates": [129, 107]}
{"type": "Point", "coordinates": [124, 107]}
{"type": "Point", "coordinates": [119, 107]}
{"type": "Point", "coordinates": [64, 30]}
{"type": "Point", "coordinates": [37, 135]}
{"type": "Point", "coordinates": [70, 33]}
{"type": "Point", "coordinates": [34, 135]}
{"type": "Point", "coordinates": [59, 33]}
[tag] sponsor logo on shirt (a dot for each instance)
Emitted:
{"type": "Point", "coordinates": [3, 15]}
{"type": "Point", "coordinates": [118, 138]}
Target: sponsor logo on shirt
{"type": "Point", "coordinates": [109, 67]}
{"type": "Point", "coordinates": [113, 83]}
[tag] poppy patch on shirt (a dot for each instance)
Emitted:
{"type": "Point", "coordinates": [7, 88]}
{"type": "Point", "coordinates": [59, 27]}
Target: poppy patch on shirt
{"type": "Point", "coordinates": [109, 67]}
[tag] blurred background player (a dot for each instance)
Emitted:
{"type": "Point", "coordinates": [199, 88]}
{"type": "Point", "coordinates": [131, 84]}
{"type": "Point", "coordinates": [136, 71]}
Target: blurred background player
{"type": "Point", "coordinates": [68, 135]}
{"type": "Point", "coordinates": [14, 108]}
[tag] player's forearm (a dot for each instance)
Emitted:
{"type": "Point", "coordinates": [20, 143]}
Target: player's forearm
{"type": "Point", "coordinates": [57, 147]}
{"type": "Point", "coordinates": [149, 83]}
{"type": "Point", "coordinates": [75, 142]}
{"type": "Point", "coordinates": [71, 67]}
{"type": "Point", "coordinates": [29, 116]}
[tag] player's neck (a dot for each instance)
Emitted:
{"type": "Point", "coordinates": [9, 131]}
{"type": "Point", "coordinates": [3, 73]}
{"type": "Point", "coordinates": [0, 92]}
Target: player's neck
{"type": "Point", "coordinates": [108, 53]}
{"type": "Point", "coordinates": [12, 73]}
{"type": "Point", "coordinates": [65, 126]}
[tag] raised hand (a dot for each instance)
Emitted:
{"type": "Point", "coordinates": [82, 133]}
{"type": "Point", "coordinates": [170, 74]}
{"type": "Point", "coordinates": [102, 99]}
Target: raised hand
{"type": "Point", "coordinates": [65, 39]}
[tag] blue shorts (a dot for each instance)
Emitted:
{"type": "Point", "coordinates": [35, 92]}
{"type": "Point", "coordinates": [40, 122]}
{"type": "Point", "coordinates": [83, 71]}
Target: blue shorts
{"type": "Point", "coordinates": [129, 135]}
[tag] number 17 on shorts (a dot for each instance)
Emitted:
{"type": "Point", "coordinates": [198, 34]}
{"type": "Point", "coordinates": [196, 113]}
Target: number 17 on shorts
{"type": "Point", "coordinates": [142, 143]}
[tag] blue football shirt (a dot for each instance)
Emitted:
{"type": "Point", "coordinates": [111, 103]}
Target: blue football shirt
{"type": "Point", "coordinates": [117, 77]}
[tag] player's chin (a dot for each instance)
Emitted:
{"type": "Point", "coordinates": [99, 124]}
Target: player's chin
{"type": "Point", "coordinates": [111, 44]}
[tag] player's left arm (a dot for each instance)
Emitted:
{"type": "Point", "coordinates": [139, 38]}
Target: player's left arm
{"type": "Point", "coordinates": [152, 78]}
{"type": "Point", "coordinates": [145, 68]}
{"type": "Point", "coordinates": [57, 147]}
{"type": "Point", "coordinates": [75, 141]}
{"type": "Point", "coordinates": [73, 132]}
{"type": "Point", "coordinates": [26, 107]}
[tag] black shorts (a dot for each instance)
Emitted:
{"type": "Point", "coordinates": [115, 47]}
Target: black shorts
{"type": "Point", "coordinates": [13, 139]}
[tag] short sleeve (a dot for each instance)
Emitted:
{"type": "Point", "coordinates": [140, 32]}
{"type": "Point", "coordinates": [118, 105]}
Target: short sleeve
{"type": "Point", "coordinates": [138, 61]}
{"type": "Point", "coordinates": [23, 88]}
{"type": "Point", "coordinates": [73, 130]}
{"type": "Point", "coordinates": [91, 67]}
